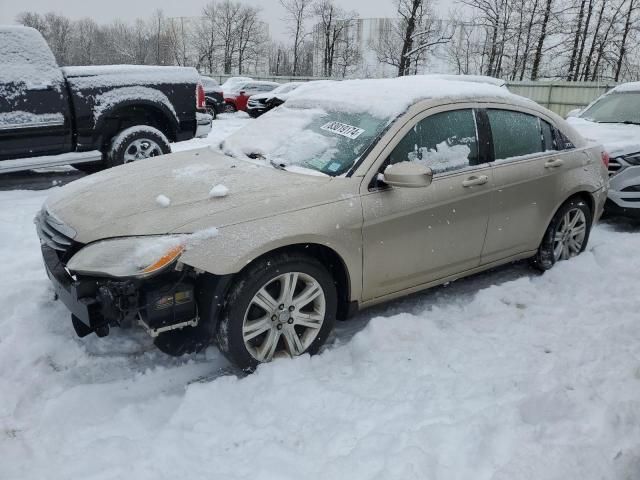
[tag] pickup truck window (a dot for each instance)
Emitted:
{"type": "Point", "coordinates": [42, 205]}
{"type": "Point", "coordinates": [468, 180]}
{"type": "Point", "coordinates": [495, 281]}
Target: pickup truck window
{"type": "Point", "coordinates": [27, 62]}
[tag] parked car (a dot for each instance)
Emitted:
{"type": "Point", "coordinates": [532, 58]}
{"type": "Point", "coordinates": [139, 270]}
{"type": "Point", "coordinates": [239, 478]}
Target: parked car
{"type": "Point", "coordinates": [236, 99]}
{"type": "Point", "coordinates": [102, 116]}
{"type": "Point", "coordinates": [213, 96]}
{"type": "Point", "coordinates": [232, 83]}
{"type": "Point", "coordinates": [614, 121]}
{"type": "Point", "coordinates": [329, 204]}
{"type": "Point", "coordinates": [263, 102]}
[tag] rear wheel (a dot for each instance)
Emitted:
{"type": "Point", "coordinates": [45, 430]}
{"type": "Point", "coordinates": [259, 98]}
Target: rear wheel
{"type": "Point", "coordinates": [137, 143]}
{"type": "Point", "coordinates": [211, 111]}
{"type": "Point", "coordinates": [566, 236]}
{"type": "Point", "coordinates": [284, 306]}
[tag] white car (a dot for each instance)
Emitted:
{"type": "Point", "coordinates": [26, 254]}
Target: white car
{"type": "Point", "coordinates": [613, 120]}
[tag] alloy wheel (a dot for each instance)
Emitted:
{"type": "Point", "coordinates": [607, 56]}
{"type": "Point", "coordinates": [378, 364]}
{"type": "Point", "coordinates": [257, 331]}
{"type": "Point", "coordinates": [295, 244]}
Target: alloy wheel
{"type": "Point", "coordinates": [141, 148]}
{"type": "Point", "coordinates": [284, 316]}
{"type": "Point", "coordinates": [569, 237]}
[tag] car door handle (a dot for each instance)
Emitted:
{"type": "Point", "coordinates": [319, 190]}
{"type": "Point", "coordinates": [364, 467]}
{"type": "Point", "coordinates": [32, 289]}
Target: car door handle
{"type": "Point", "coordinates": [555, 163]}
{"type": "Point", "coordinates": [472, 181]}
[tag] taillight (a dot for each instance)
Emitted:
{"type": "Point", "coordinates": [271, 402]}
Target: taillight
{"type": "Point", "coordinates": [605, 159]}
{"type": "Point", "coordinates": [201, 102]}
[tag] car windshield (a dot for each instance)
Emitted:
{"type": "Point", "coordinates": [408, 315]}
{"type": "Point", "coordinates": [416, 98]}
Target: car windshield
{"type": "Point", "coordinates": [615, 108]}
{"type": "Point", "coordinates": [326, 141]}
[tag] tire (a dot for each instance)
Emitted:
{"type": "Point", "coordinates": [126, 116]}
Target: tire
{"type": "Point", "coordinates": [560, 242]}
{"type": "Point", "coordinates": [211, 110]}
{"type": "Point", "coordinates": [230, 108]}
{"type": "Point", "coordinates": [249, 334]}
{"type": "Point", "coordinates": [136, 143]}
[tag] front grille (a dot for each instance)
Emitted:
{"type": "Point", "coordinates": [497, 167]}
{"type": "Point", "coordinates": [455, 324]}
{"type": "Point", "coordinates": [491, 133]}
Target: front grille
{"type": "Point", "coordinates": [633, 188]}
{"type": "Point", "coordinates": [54, 233]}
{"type": "Point", "coordinates": [255, 103]}
{"type": "Point", "coordinates": [614, 167]}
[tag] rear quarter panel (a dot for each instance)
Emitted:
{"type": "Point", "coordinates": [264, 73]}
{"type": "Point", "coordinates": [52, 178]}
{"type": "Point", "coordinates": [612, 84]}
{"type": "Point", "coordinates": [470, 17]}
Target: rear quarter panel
{"type": "Point", "coordinates": [95, 96]}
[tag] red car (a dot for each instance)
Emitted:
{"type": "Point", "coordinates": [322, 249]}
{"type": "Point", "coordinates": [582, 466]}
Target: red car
{"type": "Point", "coordinates": [237, 97]}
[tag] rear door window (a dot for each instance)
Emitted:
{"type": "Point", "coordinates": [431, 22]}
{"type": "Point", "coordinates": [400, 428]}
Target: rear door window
{"type": "Point", "coordinates": [516, 134]}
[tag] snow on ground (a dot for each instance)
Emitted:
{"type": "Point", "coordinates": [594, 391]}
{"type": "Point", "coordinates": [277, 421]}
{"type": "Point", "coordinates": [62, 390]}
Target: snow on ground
{"type": "Point", "coordinates": [506, 375]}
{"type": "Point", "coordinates": [221, 128]}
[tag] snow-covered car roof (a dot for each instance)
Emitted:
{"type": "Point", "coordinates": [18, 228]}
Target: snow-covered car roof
{"type": "Point", "coordinates": [389, 97]}
{"type": "Point", "coordinates": [470, 78]}
{"type": "Point", "coordinates": [627, 87]}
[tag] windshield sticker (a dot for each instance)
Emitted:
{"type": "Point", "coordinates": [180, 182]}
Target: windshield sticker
{"type": "Point", "coordinates": [318, 163]}
{"type": "Point", "coordinates": [334, 167]}
{"type": "Point", "coordinates": [343, 129]}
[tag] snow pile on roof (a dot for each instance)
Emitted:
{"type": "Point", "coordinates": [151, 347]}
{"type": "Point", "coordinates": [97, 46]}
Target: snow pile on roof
{"type": "Point", "coordinates": [25, 56]}
{"type": "Point", "coordinates": [387, 98]}
{"type": "Point", "coordinates": [122, 75]}
{"type": "Point", "coordinates": [627, 87]}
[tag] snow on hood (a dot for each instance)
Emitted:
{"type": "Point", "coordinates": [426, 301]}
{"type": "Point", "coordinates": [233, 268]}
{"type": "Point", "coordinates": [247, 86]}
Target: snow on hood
{"type": "Point", "coordinates": [616, 138]}
{"type": "Point", "coordinates": [389, 97]}
{"type": "Point", "coordinates": [122, 201]}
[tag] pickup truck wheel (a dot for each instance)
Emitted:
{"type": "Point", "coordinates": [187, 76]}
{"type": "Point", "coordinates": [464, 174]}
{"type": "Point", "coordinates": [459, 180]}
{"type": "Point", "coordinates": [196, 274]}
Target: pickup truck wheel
{"type": "Point", "coordinates": [137, 143]}
{"type": "Point", "coordinates": [281, 306]}
{"type": "Point", "coordinates": [229, 108]}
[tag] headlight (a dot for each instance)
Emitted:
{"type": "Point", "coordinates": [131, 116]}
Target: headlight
{"type": "Point", "coordinates": [128, 257]}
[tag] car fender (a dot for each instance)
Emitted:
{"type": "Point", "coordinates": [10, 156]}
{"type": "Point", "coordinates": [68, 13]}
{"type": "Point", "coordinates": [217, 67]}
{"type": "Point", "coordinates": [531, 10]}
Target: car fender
{"type": "Point", "coordinates": [337, 226]}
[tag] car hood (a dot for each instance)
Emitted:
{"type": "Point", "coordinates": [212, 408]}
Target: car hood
{"type": "Point", "coordinates": [171, 194]}
{"type": "Point", "coordinates": [617, 138]}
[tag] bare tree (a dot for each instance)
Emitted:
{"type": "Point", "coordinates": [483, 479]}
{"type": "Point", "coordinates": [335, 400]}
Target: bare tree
{"type": "Point", "coordinates": [334, 25]}
{"type": "Point", "coordinates": [298, 11]}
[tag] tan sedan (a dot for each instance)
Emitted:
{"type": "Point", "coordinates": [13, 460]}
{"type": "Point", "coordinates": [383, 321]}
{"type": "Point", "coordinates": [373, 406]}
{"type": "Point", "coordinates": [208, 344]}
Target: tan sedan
{"type": "Point", "coordinates": [326, 205]}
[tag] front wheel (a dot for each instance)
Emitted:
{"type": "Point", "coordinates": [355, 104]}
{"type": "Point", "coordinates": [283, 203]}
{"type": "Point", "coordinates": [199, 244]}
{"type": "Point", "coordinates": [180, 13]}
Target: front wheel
{"type": "Point", "coordinates": [566, 236]}
{"type": "Point", "coordinates": [283, 306]}
{"type": "Point", "coordinates": [137, 143]}
{"type": "Point", "coordinates": [229, 108]}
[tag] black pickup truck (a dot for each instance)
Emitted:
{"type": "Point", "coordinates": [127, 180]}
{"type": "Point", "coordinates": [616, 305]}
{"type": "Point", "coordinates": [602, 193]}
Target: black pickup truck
{"type": "Point", "coordinates": [90, 117]}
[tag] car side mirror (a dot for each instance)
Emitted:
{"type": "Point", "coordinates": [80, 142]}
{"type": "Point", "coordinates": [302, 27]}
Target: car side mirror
{"type": "Point", "coordinates": [408, 175]}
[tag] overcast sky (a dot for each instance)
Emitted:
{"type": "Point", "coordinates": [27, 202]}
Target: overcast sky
{"type": "Point", "coordinates": [103, 11]}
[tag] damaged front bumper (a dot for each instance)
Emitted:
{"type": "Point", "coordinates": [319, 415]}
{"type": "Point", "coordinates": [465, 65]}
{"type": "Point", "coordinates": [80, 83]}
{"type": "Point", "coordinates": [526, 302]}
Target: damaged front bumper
{"type": "Point", "coordinates": [160, 304]}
